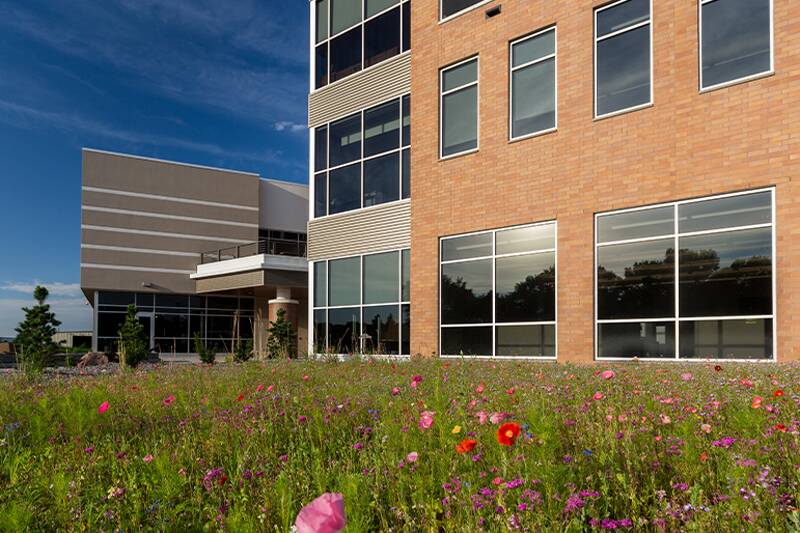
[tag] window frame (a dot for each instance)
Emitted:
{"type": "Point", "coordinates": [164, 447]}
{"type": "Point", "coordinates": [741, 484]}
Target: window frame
{"type": "Point", "coordinates": [443, 93]}
{"type": "Point", "coordinates": [494, 256]}
{"type": "Point", "coordinates": [632, 27]}
{"type": "Point", "coordinates": [512, 69]}
{"type": "Point", "coordinates": [676, 319]}
{"type": "Point", "coordinates": [360, 161]}
{"type": "Point", "coordinates": [745, 79]}
{"type": "Point", "coordinates": [457, 14]}
{"type": "Point", "coordinates": [314, 44]}
{"type": "Point", "coordinates": [361, 305]}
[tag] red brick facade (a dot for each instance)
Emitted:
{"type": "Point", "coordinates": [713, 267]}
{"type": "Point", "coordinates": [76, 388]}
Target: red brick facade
{"type": "Point", "coordinates": [687, 144]}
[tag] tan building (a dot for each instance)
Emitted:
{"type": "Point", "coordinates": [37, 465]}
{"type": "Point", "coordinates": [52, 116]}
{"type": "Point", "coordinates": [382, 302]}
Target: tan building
{"type": "Point", "coordinates": [196, 249]}
{"type": "Point", "coordinates": [562, 152]}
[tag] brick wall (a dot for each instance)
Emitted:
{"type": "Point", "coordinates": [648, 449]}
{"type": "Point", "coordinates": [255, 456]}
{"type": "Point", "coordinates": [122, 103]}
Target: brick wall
{"type": "Point", "coordinates": [686, 145]}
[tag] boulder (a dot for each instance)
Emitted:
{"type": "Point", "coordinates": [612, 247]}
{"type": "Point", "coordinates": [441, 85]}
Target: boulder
{"type": "Point", "coordinates": [93, 359]}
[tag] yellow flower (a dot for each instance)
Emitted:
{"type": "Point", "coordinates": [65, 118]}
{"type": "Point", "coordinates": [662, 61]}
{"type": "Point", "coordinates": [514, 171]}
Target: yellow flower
{"type": "Point", "coordinates": [456, 429]}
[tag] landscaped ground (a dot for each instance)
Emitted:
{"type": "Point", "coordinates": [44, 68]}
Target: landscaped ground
{"type": "Point", "coordinates": [412, 446]}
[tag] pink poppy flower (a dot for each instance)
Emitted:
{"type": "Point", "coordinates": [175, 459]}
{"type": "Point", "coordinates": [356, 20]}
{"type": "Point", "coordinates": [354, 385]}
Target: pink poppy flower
{"type": "Point", "coordinates": [168, 400]}
{"type": "Point", "coordinates": [608, 374]}
{"type": "Point", "coordinates": [147, 458]}
{"type": "Point", "coordinates": [496, 418]}
{"type": "Point", "coordinates": [259, 388]}
{"type": "Point", "coordinates": [687, 377]}
{"type": "Point", "coordinates": [103, 407]}
{"type": "Point", "coordinates": [323, 515]}
{"type": "Point", "coordinates": [426, 419]}
{"type": "Point", "coordinates": [413, 385]}
{"type": "Point", "coordinates": [306, 378]}
{"type": "Point", "coordinates": [598, 396]}
{"type": "Point", "coordinates": [412, 457]}
{"type": "Point", "coordinates": [757, 402]}
{"type": "Point", "coordinates": [480, 388]}
{"type": "Point", "coordinates": [395, 391]}
{"type": "Point", "coordinates": [483, 417]}
{"type": "Point", "coordinates": [269, 389]}
{"type": "Point", "coordinates": [510, 391]}
{"type": "Point", "coordinates": [706, 428]}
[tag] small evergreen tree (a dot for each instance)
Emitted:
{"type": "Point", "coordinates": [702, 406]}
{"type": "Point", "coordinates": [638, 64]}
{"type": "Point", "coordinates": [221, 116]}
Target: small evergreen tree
{"type": "Point", "coordinates": [243, 351]}
{"type": "Point", "coordinates": [34, 341]}
{"type": "Point", "coordinates": [206, 355]}
{"type": "Point", "coordinates": [132, 340]}
{"type": "Point", "coordinates": [282, 341]}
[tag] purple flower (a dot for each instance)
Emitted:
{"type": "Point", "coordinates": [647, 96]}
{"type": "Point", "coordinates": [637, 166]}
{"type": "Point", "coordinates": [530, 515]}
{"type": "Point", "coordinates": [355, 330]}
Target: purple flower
{"type": "Point", "coordinates": [725, 442]}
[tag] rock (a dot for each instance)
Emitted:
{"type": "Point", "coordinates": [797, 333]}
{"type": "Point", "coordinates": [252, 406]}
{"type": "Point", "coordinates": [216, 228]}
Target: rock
{"type": "Point", "coordinates": [93, 359]}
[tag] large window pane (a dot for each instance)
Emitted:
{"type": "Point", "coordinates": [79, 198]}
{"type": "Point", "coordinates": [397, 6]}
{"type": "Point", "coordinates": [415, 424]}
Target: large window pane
{"type": "Point", "coordinates": [345, 140]}
{"type": "Point", "coordinates": [219, 327]}
{"type": "Point", "coordinates": [450, 7]}
{"type": "Point", "coordinates": [405, 344]}
{"type": "Point", "coordinates": [320, 331]}
{"type": "Point", "coordinates": [623, 71]}
{"type": "Point", "coordinates": [382, 37]}
{"type": "Point", "coordinates": [467, 292]}
{"type": "Point", "coordinates": [171, 325]}
{"type": "Point", "coordinates": [382, 179]}
{"type": "Point", "coordinates": [406, 26]}
{"type": "Point", "coordinates": [406, 173]}
{"type": "Point", "coordinates": [636, 280]}
{"type": "Point", "coordinates": [321, 65]}
{"type": "Point", "coordinates": [526, 288]}
{"type": "Point", "coordinates": [479, 245]}
{"type": "Point", "coordinates": [344, 13]}
{"type": "Point", "coordinates": [727, 339]}
{"type": "Point", "coordinates": [344, 189]}
{"type": "Point", "coordinates": [381, 278]}
{"type": "Point", "coordinates": [533, 48]}
{"type": "Point", "coordinates": [406, 120]}
{"type": "Point", "coordinates": [322, 20]}
{"type": "Point", "coordinates": [345, 51]}
{"type": "Point", "coordinates": [735, 40]}
{"type": "Point", "coordinates": [742, 210]}
{"type": "Point", "coordinates": [382, 329]}
{"type": "Point", "coordinates": [321, 148]}
{"type": "Point", "coordinates": [406, 295]}
{"type": "Point", "coordinates": [467, 341]}
{"type": "Point", "coordinates": [344, 330]}
{"type": "Point", "coordinates": [382, 128]}
{"type": "Point", "coordinates": [726, 274]}
{"type": "Point", "coordinates": [460, 121]}
{"type": "Point", "coordinates": [638, 339]}
{"type": "Point", "coordinates": [526, 341]}
{"type": "Point", "coordinates": [320, 284]}
{"type": "Point", "coordinates": [321, 194]}
{"type": "Point", "coordinates": [108, 324]}
{"type": "Point", "coordinates": [172, 345]}
{"type": "Point", "coordinates": [175, 301]}
{"type": "Point", "coordinates": [527, 239]}
{"type": "Point", "coordinates": [463, 74]}
{"type": "Point", "coordinates": [533, 107]}
{"type": "Point", "coordinates": [373, 7]}
{"type": "Point", "coordinates": [117, 298]}
{"type": "Point", "coordinates": [622, 16]}
{"type": "Point", "coordinates": [344, 281]}
{"type": "Point", "coordinates": [636, 224]}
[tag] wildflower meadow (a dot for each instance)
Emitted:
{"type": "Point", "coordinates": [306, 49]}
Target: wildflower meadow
{"type": "Point", "coordinates": [425, 445]}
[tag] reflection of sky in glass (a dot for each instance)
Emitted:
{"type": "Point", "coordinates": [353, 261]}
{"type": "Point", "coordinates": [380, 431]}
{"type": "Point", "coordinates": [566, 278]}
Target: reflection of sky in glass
{"type": "Point", "coordinates": [623, 71]}
{"type": "Point", "coordinates": [476, 274]}
{"type": "Point", "coordinates": [513, 270]}
{"type": "Point", "coordinates": [618, 257]}
{"type": "Point", "coordinates": [733, 245]}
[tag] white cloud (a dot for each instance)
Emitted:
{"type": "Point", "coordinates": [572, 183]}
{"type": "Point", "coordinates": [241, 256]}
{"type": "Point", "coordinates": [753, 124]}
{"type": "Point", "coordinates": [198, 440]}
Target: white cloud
{"type": "Point", "coordinates": [55, 288]}
{"type": "Point", "coordinates": [74, 313]}
{"type": "Point", "coordinates": [293, 127]}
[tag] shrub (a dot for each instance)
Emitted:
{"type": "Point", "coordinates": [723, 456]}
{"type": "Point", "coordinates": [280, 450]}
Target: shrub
{"type": "Point", "coordinates": [282, 341]}
{"type": "Point", "coordinates": [207, 355]}
{"type": "Point", "coordinates": [132, 340]}
{"type": "Point", "coordinates": [243, 351]}
{"type": "Point", "coordinates": [34, 339]}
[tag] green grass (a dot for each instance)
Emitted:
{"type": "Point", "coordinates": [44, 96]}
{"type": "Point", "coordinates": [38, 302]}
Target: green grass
{"type": "Point", "coordinates": [639, 459]}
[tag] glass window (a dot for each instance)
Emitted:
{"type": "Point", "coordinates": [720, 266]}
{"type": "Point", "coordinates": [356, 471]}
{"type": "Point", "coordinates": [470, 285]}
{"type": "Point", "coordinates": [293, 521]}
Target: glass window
{"type": "Point", "coordinates": [469, 246]}
{"type": "Point", "coordinates": [724, 266]}
{"type": "Point", "coordinates": [178, 301]}
{"type": "Point", "coordinates": [381, 276]}
{"type": "Point", "coordinates": [382, 37]}
{"type": "Point", "coordinates": [345, 54]}
{"type": "Point", "coordinates": [117, 298]}
{"type": "Point", "coordinates": [405, 343]}
{"type": "Point", "coordinates": [344, 330]}
{"type": "Point", "coordinates": [407, 120]}
{"type": "Point", "coordinates": [344, 192]}
{"type": "Point", "coordinates": [382, 329]}
{"type": "Point", "coordinates": [320, 284]}
{"type": "Point", "coordinates": [467, 341]}
{"type": "Point", "coordinates": [322, 20]}
{"type": "Point", "coordinates": [467, 292]}
{"type": "Point", "coordinates": [459, 128]}
{"type": "Point", "coordinates": [144, 301]}
{"type": "Point", "coordinates": [222, 302]}
{"type": "Point", "coordinates": [726, 339]}
{"type": "Point", "coordinates": [526, 239]}
{"type": "Point", "coordinates": [381, 179]}
{"type": "Point", "coordinates": [373, 7]}
{"type": "Point", "coordinates": [736, 40]}
{"type": "Point", "coordinates": [321, 65]}
{"type": "Point", "coordinates": [533, 84]}
{"type": "Point", "coordinates": [406, 26]}
{"type": "Point", "coordinates": [345, 140]}
{"type": "Point", "coordinates": [451, 7]}
{"type": "Point", "coordinates": [382, 128]}
{"type": "Point", "coordinates": [321, 148]}
{"type": "Point", "coordinates": [219, 327]}
{"type": "Point", "coordinates": [320, 331]}
{"type": "Point", "coordinates": [344, 13]}
{"type": "Point", "coordinates": [321, 194]}
{"type": "Point", "coordinates": [622, 55]}
{"type": "Point", "coordinates": [171, 325]}
{"type": "Point", "coordinates": [344, 281]}
{"type": "Point", "coordinates": [526, 288]}
{"type": "Point", "coordinates": [406, 179]}
{"type": "Point", "coordinates": [406, 295]}
{"type": "Point", "coordinates": [526, 341]}
{"type": "Point", "coordinates": [108, 324]}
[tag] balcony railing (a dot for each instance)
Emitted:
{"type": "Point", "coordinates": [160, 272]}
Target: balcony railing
{"type": "Point", "coordinates": [264, 246]}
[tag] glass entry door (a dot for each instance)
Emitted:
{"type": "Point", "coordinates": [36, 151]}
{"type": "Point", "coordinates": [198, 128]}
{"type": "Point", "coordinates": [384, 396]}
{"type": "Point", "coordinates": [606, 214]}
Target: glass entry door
{"type": "Point", "coordinates": [146, 320]}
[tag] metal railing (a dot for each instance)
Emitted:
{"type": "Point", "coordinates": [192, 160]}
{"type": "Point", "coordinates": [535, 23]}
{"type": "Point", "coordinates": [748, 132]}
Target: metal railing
{"type": "Point", "coordinates": [264, 246]}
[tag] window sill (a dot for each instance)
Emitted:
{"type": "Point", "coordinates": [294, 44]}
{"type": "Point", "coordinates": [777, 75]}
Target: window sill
{"type": "Point", "coordinates": [463, 11]}
{"type": "Point", "coordinates": [624, 111]}
{"type": "Point", "coordinates": [532, 135]}
{"type": "Point", "coordinates": [739, 81]}
{"type": "Point", "coordinates": [459, 154]}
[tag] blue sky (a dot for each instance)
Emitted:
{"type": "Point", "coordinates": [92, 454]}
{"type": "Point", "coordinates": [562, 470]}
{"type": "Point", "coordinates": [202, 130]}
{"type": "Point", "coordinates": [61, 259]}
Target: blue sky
{"type": "Point", "coordinates": [210, 82]}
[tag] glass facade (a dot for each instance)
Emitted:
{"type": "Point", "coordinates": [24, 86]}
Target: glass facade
{"type": "Point", "coordinates": [533, 84]}
{"type": "Point", "coordinates": [361, 304]}
{"type": "Point", "coordinates": [712, 299]}
{"type": "Point", "coordinates": [498, 293]}
{"type": "Point", "coordinates": [171, 320]}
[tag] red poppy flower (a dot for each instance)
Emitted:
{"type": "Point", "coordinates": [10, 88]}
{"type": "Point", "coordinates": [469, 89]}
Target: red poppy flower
{"type": "Point", "coordinates": [240, 398]}
{"type": "Point", "coordinates": [703, 457]}
{"type": "Point", "coordinates": [466, 445]}
{"type": "Point", "coordinates": [508, 433]}
{"type": "Point", "coordinates": [718, 368]}
{"type": "Point", "coordinates": [778, 393]}
{"type": "Point", "coordinates": [781, 428]}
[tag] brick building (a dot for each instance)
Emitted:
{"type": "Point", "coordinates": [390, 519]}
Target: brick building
{"type": "Point", "coordinates": [562, 152]}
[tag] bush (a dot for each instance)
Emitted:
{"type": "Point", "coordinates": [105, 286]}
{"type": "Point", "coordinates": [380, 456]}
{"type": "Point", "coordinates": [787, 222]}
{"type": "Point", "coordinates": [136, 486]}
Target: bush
{"type": "Point", "coordinates": [207, 356]}
{"type": "Point", "coordinates": [282, 341]}
{"type": "Point", "coordinates": [34, 341]}
{"type": "Point", "coordinates": [132, 340]}
{"type": "Point", "coordinates": [243, 351]}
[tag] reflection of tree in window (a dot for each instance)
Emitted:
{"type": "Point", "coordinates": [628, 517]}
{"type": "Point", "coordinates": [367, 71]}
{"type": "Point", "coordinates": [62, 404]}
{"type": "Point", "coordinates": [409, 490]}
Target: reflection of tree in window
{"type": "Point", "coordinates": [645, 289]}
{"type": "Point", "coordinates": [460, 304]}
{"type": "Point", "coordinates": [532, 300]}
